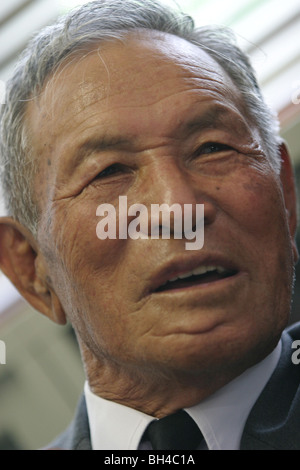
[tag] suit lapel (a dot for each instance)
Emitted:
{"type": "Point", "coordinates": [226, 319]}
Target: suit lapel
{"type": "Point", "coordinates": [274, 422]}
{"type": "Point", "coordinates": [80, 435]}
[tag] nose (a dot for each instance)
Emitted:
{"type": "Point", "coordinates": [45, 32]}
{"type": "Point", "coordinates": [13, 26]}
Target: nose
{"type": "Point", "coordinates": [178, 192]}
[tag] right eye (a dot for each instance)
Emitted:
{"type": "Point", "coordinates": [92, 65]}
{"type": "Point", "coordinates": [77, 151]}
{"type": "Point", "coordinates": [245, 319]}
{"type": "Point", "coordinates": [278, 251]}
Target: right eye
{"type": "Point", "coordinates": [111, 171]}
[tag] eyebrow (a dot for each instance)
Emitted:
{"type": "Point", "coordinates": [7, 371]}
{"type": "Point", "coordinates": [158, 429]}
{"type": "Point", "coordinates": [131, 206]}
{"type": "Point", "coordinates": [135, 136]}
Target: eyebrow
{"type": "Point", "coordinates": [99, 144]}
{"type": "Point", "coordinates": [218, 117]}
{"type": "Point", "coordinates": [214, 118]}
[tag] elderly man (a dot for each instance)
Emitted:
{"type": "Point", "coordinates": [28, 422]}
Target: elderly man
{"type": "Point", "coordinates": [126, 98]}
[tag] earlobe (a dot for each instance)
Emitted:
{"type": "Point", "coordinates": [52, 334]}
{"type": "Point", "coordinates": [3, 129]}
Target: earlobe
{"type": "Point", "coordinates": [288, 185]}
{"type": "Point", "coordinates": [21, 262]}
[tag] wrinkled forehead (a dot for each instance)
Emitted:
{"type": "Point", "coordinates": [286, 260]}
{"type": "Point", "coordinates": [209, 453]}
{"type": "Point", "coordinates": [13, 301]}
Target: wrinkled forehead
{"type": "Point", "coordinates": [144, 60]}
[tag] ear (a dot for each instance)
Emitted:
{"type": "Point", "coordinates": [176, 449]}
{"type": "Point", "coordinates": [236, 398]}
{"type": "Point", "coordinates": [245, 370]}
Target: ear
{"type": "Point", "coordinates": [22, 262]}
{"type": "Point", "coordinates": [288, 185]}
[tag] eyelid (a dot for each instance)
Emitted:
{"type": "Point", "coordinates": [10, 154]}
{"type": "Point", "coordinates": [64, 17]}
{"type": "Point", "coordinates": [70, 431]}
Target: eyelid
{"type": "Point", "coordinates": [116, 167]}
{"type": "Point", "coordinates": [223, 147]}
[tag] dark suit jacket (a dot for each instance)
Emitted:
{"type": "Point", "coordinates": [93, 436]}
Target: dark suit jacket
{"type": "Point", "coordinates": [273, 423]}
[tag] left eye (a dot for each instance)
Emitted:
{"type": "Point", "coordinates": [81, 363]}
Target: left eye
{"type": "Point", "coordinates": [211, 147]}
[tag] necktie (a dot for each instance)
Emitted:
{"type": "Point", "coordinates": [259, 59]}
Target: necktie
{"type": "Point", "coordinates": [174, 432]}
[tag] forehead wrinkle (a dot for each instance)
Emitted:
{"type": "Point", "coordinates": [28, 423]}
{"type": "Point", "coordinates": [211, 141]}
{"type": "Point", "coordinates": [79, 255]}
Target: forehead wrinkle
{"type": "Point", "coordinates": [197, 62]}
{"type": "Point", "coordinates": [88, 92]}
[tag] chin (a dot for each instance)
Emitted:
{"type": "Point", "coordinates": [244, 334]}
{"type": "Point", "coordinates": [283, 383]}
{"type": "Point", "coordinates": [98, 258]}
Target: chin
{"type": "Point", "coordinates": [219, 359]}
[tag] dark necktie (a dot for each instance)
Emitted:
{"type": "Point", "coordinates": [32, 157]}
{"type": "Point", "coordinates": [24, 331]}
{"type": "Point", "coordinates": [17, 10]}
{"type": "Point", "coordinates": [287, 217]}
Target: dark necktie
{"type": "Point", "coordinates": [174, 432]}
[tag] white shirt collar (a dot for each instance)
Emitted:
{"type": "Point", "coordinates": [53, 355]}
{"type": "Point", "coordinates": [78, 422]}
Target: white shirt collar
{"type": "Point", "coordinates": [114, 426]}
{"type": "Point", "coordinates": [221, 417]}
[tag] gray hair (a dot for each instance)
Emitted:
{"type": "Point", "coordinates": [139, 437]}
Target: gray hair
{"type": "Point", "coordinates": [90, 24]}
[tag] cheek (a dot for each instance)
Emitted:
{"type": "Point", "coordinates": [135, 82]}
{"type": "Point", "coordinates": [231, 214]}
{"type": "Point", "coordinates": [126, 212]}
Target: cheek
{"type": "Point", "coordinates": [76, 256]}
{"type": "Point", "coordinates": [255, 217]}
{"type": "Point", "coordinates": [257, 204]}
{"type": "Point", "coordinates": [76, 242]}
{"type": "Point", "coordinates": [260, 218]}
{"type": "Point", "coordinates": [89, 273]}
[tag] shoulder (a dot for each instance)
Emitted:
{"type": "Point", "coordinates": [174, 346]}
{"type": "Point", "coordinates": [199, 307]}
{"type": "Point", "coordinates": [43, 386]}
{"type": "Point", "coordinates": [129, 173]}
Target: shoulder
{"type": "Point", "coordinates": [77, 435]}
{"type": "Point", "coordinates": [293, 331]}
{"type": "Point", "coordinates": [274, 420]}
{"type": "Point", "coordinates": [290, 356]}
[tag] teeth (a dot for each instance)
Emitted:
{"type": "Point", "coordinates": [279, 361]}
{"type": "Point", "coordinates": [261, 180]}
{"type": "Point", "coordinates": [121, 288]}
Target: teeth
{"type": "Point", "coordinates": [197, 271]}
{"type": "Point", "coordinates": [173, 279]}
{"type": "Point", "coordinates": [221, 270]}
{"type": "Point", "coordinates": [203, 269]}
{"type": "Point", "coordinates": [183, 276]}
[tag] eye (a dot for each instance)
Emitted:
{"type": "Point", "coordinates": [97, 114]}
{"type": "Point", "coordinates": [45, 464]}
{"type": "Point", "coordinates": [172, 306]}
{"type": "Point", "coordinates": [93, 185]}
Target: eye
{"type": "Point", "coordinates": [212, 147]}
{"type": "Point", "coordinates": [111, 170]}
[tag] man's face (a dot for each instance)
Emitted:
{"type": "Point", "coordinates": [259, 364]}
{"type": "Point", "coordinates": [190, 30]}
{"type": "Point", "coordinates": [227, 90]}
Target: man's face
{"type": "Point", "coordinates": [157, 120]}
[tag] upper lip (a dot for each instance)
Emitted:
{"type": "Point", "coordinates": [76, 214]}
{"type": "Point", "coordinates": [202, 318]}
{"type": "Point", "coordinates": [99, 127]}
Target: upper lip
{"type": "Point", "coordinates": [178, 266]}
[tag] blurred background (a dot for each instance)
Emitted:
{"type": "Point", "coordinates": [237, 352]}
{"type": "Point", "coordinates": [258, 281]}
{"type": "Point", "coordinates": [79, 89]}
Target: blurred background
{"type": "Point", "coordinates": [43, 376]}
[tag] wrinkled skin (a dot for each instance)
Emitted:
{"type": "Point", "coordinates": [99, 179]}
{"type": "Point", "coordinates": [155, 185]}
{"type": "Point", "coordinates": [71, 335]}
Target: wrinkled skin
{"type": "Point", "coordinates": [160, 103]}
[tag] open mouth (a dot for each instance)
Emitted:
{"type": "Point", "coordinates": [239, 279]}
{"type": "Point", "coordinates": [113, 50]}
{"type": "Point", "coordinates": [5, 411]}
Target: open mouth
{"type": "Point", "coordinates": [202, 275]}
